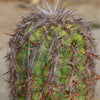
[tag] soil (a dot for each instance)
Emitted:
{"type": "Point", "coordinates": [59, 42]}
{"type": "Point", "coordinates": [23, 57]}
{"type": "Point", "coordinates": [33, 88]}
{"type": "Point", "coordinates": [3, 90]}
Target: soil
{"type": "Point", "coordinates": [11, 14]}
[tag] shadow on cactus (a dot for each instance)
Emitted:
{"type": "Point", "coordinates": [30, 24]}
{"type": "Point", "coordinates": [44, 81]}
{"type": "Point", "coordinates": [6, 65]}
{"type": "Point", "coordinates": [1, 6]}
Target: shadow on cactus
{"type": "Point", "coordinates": [52, 57]}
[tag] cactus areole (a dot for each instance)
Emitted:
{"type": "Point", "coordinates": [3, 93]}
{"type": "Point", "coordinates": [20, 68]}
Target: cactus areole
{"type": "Point", "coordinates": [52, 57]}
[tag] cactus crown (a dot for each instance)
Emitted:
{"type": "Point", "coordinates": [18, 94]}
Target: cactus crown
{"type": "Point", "coordinates": [52, 57]}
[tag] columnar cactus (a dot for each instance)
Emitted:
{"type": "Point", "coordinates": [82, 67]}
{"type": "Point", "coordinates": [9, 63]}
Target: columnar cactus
{"type": "Point", "coordinates": [52, 57]}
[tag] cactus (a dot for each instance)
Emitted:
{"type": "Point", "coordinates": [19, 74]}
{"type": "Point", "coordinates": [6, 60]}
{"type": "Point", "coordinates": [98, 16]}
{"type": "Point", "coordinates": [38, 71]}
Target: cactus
{"type": "Point", "coordinates": [52, 57]}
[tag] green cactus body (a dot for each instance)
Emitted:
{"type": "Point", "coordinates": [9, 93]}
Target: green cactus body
{"type": "Point", "coordinates": [52, 58]}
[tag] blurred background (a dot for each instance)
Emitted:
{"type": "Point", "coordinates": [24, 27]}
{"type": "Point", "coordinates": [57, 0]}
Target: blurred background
{"type": "Point", "coordinates": [12, 11]}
